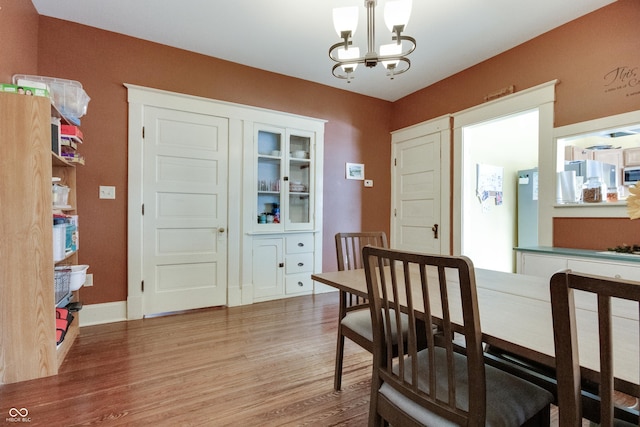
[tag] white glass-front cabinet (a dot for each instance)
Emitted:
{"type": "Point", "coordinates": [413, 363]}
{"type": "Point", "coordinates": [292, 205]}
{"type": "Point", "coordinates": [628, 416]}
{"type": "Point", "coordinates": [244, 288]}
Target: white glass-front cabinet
{"type": "Point", "coordinates": [285, 173]}
{"type": "Point", "coordinates": [283, 220]}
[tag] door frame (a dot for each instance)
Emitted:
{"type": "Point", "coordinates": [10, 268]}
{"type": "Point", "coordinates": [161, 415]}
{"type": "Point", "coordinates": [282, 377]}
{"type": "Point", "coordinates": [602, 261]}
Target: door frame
{"type": "Point", "coordinates": [442, 125]}
{"type": "Point", "coordinates": [541, 97]}
{"type": "Point", "coordinates": [138, 97]}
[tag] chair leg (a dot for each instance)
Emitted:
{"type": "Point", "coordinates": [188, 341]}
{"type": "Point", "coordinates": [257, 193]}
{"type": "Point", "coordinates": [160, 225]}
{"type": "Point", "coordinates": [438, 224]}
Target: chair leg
{"type": "Point", "coordinates": [375, 419]}
{"type": "Point", "coordinates": [337, 376]}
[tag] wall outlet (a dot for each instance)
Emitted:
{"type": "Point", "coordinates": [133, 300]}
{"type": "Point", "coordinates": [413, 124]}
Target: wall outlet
{"type": "Point", "coordinates": [88, 281]}
{"type": "Point", "coordinates": [107, 192]}
{"type": "Point", "coordinates": [368, 183]}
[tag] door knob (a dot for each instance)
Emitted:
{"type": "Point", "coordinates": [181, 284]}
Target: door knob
{"type": "Point", "coordinates": [435, 231]}
{"type": "Point", "coordinates": [221, 230]}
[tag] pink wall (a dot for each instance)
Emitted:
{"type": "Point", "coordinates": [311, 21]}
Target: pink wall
{"type": "Point", "coordinates": [579, 54]}
{"type": "Point", "coordinates": [357, 131]}
{"type": "Point", "coordinates": [18, 39]}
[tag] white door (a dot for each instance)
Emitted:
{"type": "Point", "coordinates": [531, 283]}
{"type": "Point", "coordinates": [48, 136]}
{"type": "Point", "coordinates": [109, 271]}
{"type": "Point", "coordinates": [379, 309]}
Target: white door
{"type": "Point", "coordinates": [417, 186]}
{"type": "Point", "coordinates": [185, 210]}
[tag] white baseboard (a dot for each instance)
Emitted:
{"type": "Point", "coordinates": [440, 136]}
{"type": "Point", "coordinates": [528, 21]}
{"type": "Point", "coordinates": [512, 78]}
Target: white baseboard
{"type": "Point", "coordinates": [97, 314]}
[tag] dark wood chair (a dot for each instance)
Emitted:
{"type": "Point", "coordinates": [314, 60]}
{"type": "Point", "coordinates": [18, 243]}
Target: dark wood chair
{"type": "Point", "coordinates": [571, 391]}
{"type": "Point", "coordinates": [354, 317]}
{"type": "Point", "coordinates": [440, 385]}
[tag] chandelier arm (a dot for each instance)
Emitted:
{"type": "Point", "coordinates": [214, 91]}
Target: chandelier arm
{"type": "Point", "coordinates": [410, 40]}
{"type": "Point", "coordinates": [407, 61]}
{"type": "Point", "coordinates": [332, 49]}
{"type": "Point", "coordinates": [340, 76]}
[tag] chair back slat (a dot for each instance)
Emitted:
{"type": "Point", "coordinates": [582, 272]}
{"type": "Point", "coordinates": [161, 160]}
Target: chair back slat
{"type": "Point", "coordinates": [349, 247]}
{"type": "Point", "coordinates": [564, 284]}
{"type": "Point", "coordinates": [349, 256]}
{"type": "Point", "coordinates": [439, 283]}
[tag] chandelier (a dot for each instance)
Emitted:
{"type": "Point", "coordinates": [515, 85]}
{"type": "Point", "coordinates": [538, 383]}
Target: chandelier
{"type": "Point", "coordinates": [347, 56]}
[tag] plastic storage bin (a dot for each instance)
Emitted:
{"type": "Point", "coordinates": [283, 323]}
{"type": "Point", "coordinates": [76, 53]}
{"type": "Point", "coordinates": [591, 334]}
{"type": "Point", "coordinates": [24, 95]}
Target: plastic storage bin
{"type": "Point", "coordinates": [60, 195]}
{"type": "Point", "coordinates": [62, 281]}
{"type": "Point", "coordinates": [59, 240]}
{"type": "Point", "coordinates": [78, 276]}
{"type": "Point", "coordinates": [67, 96]}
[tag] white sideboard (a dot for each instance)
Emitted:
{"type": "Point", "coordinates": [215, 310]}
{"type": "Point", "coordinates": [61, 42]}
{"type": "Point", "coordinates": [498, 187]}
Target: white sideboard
{"type": "Point", "coordinates": [544, 261]}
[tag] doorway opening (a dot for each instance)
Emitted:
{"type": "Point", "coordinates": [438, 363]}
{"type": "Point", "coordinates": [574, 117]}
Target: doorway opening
{"type": "Point", "coordinates": [494, 152]}
{"type": "Point", "coordinates": [498, 139]}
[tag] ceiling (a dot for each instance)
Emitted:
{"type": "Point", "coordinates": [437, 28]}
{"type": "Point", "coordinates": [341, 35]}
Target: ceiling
{"type": "Point", "coordinates": [292, 37]}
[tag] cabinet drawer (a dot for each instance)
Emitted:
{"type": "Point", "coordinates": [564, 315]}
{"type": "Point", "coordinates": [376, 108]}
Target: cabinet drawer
{"type": "Point", "coordinates": [298, 283]}
{"type": "Point", "coordinates": [299, 243]}
{"type": "Point", "coordinates": [299, 263]}
{"type": "Point", "coordinates": [618, 271]}
{"type": "Point", "coordinates": [541, 265]}
{"type": "Point", "coordinates": [577, 153]}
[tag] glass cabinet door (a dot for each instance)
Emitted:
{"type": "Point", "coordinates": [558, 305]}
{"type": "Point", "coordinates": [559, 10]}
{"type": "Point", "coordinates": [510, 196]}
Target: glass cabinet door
{"type": "Point", "coordinates": [284, 179]}
{"type": "Point", "coordinates": [299, 213]}
{"type": "Point", "coordinates": [269, 177]}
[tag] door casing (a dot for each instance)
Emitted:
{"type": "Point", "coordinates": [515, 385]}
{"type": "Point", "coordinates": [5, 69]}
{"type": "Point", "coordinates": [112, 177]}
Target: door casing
{"type": "Point", "coordinates": [442, 127]}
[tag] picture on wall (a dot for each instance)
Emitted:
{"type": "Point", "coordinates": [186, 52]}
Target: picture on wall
{"type": "Point", "coordinates": [355, 171]}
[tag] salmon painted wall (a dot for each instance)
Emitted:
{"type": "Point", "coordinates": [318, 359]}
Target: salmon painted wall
{"type": "Point", "coordinates": [579, 54]}
{"type": "Point", "coordinates": [18, 39]}
{"type": "Point", "coordinates": [357, 131]}
{"type": "Point", "coordinates": [585, 55]}
{"type": "Point", "coordinates": [588, 233]}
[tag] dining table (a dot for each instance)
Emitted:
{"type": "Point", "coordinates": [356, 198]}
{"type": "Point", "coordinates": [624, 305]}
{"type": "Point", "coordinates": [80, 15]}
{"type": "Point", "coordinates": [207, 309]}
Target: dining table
{"type": "Point", "coordinates": [515, 316]}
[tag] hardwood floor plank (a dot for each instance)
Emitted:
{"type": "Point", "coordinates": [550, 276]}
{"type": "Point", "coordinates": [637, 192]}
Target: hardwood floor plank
{"type": "Point", "coordinates": [267, 364]}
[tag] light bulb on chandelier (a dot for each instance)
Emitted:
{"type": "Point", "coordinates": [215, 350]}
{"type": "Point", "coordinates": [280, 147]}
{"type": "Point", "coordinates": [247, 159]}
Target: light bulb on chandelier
{"type": "Point", "coordinates": [392, 56]}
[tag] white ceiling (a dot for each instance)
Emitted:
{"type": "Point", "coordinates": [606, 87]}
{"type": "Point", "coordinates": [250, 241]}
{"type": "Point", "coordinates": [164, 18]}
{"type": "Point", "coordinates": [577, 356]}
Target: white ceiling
{"type": "Point", "coordinates": [292, 37]}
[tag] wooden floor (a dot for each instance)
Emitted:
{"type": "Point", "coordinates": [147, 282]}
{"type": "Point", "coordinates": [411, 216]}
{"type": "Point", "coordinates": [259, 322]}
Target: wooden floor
{"type": "Point", "coordinates": [267, 364]}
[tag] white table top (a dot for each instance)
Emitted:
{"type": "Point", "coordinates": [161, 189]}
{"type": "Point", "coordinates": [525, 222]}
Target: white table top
{"type": "Point", "coordinates": [515, 315]}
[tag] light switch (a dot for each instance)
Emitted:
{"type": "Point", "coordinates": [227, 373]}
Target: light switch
{"type": "Point", "coordinates": [368, 183]}
{"type": "Point", "coordinates": [107, 192]}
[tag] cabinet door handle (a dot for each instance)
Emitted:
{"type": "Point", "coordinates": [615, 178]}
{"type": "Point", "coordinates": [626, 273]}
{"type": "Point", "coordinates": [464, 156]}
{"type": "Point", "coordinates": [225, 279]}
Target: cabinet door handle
{"type": "Point", "coordinates": [300, 284]}
{"type": "Point", "coordinates": [300, 244]}
{"type": "Point", "coordinates": [281, 265]}
{"type": "Point", "coordinates": [300, 264]}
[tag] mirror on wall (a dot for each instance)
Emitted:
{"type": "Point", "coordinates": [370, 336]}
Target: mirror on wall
{"type": "Point", "coordinates": [596, 164]}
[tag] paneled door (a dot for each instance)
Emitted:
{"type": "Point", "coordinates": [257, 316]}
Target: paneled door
{"type": "Point", "coordinates": [184, 210]}
{"type": "Point", "coordinates": [416, 222]}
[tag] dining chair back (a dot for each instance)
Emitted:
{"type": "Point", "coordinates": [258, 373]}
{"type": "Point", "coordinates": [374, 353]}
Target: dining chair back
{"type": "Point", "coordinates": [444, 384]}
{"type": "Point", "coordinates": [354, 320]}
{"type": "Point", "coordinates": [570, 375]}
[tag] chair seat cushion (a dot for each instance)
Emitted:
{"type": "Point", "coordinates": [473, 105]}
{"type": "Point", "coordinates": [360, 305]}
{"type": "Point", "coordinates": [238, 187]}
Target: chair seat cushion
{"type": "Point", "coordinates": [621, 423]}
{"type": "Point", "coordinates": [510, 400]}
{"type": "Point", "coordinates": [359, 321]}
